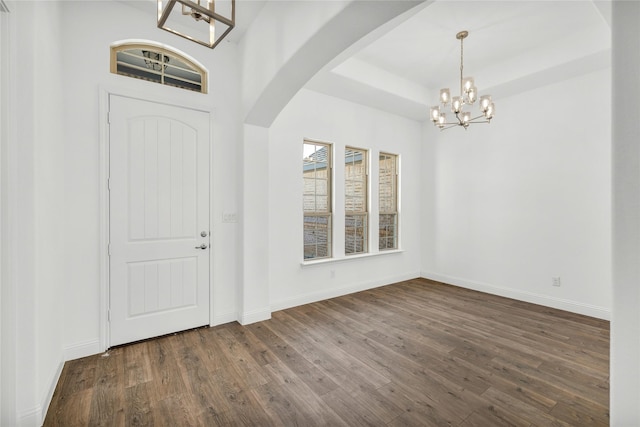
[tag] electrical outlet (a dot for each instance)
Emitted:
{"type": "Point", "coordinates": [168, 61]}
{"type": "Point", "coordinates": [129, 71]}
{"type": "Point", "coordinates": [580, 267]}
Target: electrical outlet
{"type": "Point", "coordinates": [555, 281]}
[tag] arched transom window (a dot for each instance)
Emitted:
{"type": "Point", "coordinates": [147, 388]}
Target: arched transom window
{"type": "Point", "coordinates": [158, 64]}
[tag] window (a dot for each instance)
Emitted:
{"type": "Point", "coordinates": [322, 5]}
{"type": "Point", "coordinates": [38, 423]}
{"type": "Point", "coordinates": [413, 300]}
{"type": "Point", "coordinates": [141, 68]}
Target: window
{"type": "Point", "coordinates": [355, 203]}
{"type": "Point", "coordinates": [388, 196]}
{"type": "Point", "coordinates": [316, 172]}
{"type": "Point", "coordinates": [159, 65]}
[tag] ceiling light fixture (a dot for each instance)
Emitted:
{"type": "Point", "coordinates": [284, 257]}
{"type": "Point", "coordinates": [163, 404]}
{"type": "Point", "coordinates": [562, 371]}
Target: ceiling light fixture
{"type": "Point", "coordinates": [468, 96]}
{"type": "Point", "coordinates": [206, 22]}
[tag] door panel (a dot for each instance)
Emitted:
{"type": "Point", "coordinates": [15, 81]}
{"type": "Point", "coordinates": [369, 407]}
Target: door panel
{"type": "Point", "coordinates": [159, 206]}
{"type": "Point", "coordinates": [162, 180]}
{"type": "Point", "coordinates": [161, 285]}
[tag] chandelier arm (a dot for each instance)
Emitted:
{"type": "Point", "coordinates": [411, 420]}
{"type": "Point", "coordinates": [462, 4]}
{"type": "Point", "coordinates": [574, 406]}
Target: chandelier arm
{"type": "Point", "coordinates": [476, 118]}
{"type": "Point", "coordinates": [449, 127]}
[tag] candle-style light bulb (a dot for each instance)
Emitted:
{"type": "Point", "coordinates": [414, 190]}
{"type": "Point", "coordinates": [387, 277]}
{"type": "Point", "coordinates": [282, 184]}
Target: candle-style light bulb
{"type": "Point", "coordinates": [491, 109]}
{"type": "Point", "coordinates": [434, 113]}
{"type": "Point", "coordinates": [467, 84]}
{"type": "Point", "coordinates": [472, 94]}
{"type": "Point", "coordinates": [485, 101]}
{"type": "Point", "coordinates": [445, 96]}
{"type": "Point", "coordinates": [456, 104]}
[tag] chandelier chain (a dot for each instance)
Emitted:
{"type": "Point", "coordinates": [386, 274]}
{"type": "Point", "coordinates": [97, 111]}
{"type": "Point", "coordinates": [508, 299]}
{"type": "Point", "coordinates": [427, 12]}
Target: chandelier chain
{"type": "Point", "coordinates": [461, 62]}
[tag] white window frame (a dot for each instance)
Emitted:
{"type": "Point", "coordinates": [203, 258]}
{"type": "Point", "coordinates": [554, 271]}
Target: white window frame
{"type": "Point", "coordinates": [350, 232]}
{"type": "Point", "coordinates": [156, 64]}
{"type": "Point", "coordinates": [326, 214]}
{"type": "Point", "coordinates": [383, 242]}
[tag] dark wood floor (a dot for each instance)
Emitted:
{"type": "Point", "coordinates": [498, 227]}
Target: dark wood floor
{"type": "Point", "coordinates": [416, 353]}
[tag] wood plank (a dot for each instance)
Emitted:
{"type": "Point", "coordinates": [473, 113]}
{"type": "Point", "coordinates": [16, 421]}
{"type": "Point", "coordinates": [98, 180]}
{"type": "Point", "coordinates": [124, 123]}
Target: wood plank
{"type": "Point", "coordinates": [258, 350]}
{"type": "Point", "coordinates": [174, 410]}
{"type": "Point", "coordinates": [493, 416]}
{"type": "Point", "coordinates": [206, 398]}
{"type": "Point", "coordinates": [581, 414]}
{"type": "Point", "coordinates": [107, 403]}
{"type": "Point", "coordinates": [317, 380]}
{"type": "Point", "coordinates": [167, 378]}
{"type": "Point", "coordinates": [137, 366]}
{"type": "Point", "coordinates": [339, 365]}
{"type": "Point", "coordinates": [79, 376]}
{"type": "Point", "coordinates": [350, 410]}
{"type": "Point", "coordinates": [138, 407]}
{"type": "Point", "coordinates": [292, 402]}
{"type": "Point", "coordinates": [239, 356]}
{"type": "Point", "coordinates": [418, 409]}
{"type": "Point", "coordinates": [516, 408]}
{"type": "Point", "coordinates": [412, 353]}
{"type": "Point", "coordinates": [73, 410]}
{"type": "Point", "coordinates": [244, 407]}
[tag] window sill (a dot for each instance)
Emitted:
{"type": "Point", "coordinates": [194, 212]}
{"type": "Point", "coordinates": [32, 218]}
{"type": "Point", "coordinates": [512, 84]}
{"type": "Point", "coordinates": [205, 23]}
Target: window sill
{"type": "Point", "coordinates": [348, 258]}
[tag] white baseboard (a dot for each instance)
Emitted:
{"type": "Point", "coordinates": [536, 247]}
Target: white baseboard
{"type": "Point", "coordinates": [52, 388]}
{"type": "Point", "coordinates": [545, 300]}
{"type": "Point", "coordinates": [35, 416]}
{"type": "Point", "coordinates": [337, 292]}
{"type": "Point", "coordinates": [31, 418]}
{"type": "Point", "coordinates": [255, 316]}
{"type": "Point", "coordinates": [82, 349]}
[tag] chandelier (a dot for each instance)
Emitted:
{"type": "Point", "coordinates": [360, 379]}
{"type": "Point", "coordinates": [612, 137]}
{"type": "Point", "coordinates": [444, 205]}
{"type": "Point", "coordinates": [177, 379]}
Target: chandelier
{"type": "Point", "coordinates": [468, 96]}
{"type": "Point", "coordinates": [205, 22]}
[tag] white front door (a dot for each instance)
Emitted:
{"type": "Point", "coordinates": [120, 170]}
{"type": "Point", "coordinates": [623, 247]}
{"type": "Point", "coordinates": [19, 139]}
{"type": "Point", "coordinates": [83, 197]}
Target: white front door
{"type": "Point", "coordinates": [159, 219]}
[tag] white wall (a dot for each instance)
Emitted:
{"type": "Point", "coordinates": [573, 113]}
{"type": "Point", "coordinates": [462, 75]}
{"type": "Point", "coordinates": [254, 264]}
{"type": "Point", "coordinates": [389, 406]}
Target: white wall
{"type": "Point", "coordinates": [324, 118]}
{"type": "Point", "coordinates": [33, 188]}
{"type": "Point", "coordinates": [254, 300]}
{"type": "Point", "coordinates": [86, 42]}
{"type": "Point", "coordinates": [512, 204]}
{"type": "Point", "coordinates": [281, 29]}
{"type": "Point", "coordinates": [50, 242]}
{"type": "Point", "coordinates": [23, 157]}
{"type": "Point", "coordinates": [7, 308]}
{"type": "Point", "coordinates": [625, 322]}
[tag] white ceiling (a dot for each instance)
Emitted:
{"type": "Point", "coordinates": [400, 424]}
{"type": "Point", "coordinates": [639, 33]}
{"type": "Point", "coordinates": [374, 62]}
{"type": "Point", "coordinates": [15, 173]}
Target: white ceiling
{"type": "Point", "coordinates": [512, 45]}
{"type": "Point", "coordinates": [424, 49]}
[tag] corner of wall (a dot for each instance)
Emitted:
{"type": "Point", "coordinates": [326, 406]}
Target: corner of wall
{"type": "Point", "coordinates": [254, 223]}
{"type": "Point", "coordinates": [254, 316]}
{"type": "Point", "coordinates": [46, 400]}
{"type": "Point", "coordinates": [82, 349]}
{"type": "Point", "coordinates": [221, 319]}
{"type": "Point", "coordinates": [36, 415]}
{"type": "Point", "coordinates": [520, 295]}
